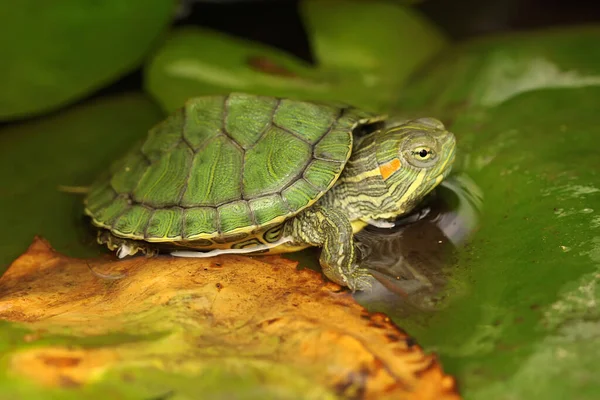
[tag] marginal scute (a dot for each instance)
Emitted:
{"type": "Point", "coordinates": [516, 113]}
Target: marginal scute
{"type": "Point", "coordinates": [349, 120]}
{"type": "Point", "coordinates": [235, 215]}
{"type": "Point", "coordinates": [307, 120]}
{"type": "Point", "coordinates": [321, 173]}
{"type": "Point", "coordinates": [299, 194]}
{"type": "Point", "coordinates": [100, 196]}
{"type": "Point", "coordinates": [199, 221]}
{"type": "Point", "coordinates": [108, 214]}
{"type": "Point", "coordinates": [165, 223]}
{"type": "Point", "coordinates": [203, 120]}
{"type": "Point", "coordinates": [274, 162]}
{"type": "Point", "coordinates": [133, 221]}
{"type": "Point", "coordinates": [247, 117]}
{"type": "Point", "coordinates": [215, 176]}
{"type": "Point", "coordinates": [334, 146]}
{"type": "Point", "coordinates": [164, 181]}
{"type": "Point", "coordinates": [267, 208]}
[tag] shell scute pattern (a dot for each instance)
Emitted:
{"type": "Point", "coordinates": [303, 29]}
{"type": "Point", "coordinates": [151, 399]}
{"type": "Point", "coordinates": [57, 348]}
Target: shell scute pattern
{"type": "Point", "coordinates": [203, 121]}
{"type": "Point", "coordinates": [274, 162]}
{"type": "Point", "coordinates": [164, 181]}
{"type": "Point", "coordinates": [219, 161]}
{"type": "Point", "coordinates": [248, 118]}
{"type": "Point", "coordinates": [222, 166]}
{"type": "Point", "coordinates": [166, 223]}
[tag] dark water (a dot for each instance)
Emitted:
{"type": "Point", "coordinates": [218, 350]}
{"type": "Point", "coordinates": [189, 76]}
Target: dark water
{"type": "Point", "coordinates": [413, 261]}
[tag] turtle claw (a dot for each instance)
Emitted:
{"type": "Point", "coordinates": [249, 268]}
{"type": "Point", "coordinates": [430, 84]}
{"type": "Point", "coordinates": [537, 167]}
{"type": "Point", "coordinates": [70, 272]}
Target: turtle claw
{"type": "Point", "coordinates": [125, 250]}
{"type": "Point", "coordinates": [359, 279]}
{"type": "Point", "coordinates": [361, 283]}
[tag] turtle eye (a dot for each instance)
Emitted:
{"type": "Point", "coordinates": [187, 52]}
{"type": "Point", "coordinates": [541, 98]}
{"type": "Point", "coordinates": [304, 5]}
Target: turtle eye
{"type": "Point", "coordinates": [423, 153]}
{"type": "Point", "coordinates": [419, 150]}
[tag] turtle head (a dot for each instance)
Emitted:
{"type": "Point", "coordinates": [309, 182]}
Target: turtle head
{"type": "Point", "coordinates": [413, 158]}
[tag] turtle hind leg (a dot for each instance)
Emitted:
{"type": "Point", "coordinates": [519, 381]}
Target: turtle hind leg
{"type": "Point", "coordinates": [125, 247]}
{"type": "Point", "coordinates": [331, 230]}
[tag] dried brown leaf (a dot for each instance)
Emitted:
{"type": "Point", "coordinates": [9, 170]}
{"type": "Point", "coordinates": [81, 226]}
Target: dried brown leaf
{"type": "Point", "coordinates": [233, 309]}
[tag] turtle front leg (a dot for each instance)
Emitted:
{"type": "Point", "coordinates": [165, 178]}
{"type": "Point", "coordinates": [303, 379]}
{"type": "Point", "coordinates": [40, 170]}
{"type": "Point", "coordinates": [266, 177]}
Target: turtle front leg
{"type": "Point", "coordinates": [331, 230]}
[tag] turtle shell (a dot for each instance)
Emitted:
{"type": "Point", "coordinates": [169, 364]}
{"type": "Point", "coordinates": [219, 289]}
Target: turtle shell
{"type": "Point", "coordinates": [224, 165]}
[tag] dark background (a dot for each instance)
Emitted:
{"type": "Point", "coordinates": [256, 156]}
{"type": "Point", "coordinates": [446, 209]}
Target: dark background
{"type": "Point", "coordinates": [277, 22]}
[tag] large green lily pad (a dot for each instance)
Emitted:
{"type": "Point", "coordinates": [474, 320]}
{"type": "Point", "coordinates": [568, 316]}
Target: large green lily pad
{"type": "Point", "coordinates": [54, 53]}
{"type": "Point", "coordinates": [70, 148]}
{"type": "Point", "coordinates": [522, 319]}
{"type": "Point", "coordinates": [364, 52]}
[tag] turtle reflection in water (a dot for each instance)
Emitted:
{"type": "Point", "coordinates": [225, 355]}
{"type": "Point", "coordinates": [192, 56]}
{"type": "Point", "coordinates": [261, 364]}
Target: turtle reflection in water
{"type": "Point", "coordinates": [244, 173]}
{"type": "Point", "coordinates": [414, 260]}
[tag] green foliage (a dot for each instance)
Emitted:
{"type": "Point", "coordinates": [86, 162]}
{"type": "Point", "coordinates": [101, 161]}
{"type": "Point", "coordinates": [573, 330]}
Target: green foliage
{"type": "Point", "coordinates": [364, 53]}
{"type": "Point", "coordinates": [69, 149]}
{"type": "Point", "coordinates": [521, 318]}
{"type": "Point", "coordinates": [54, 53]}
{"type": "Point", "coordinates": [524, 323]}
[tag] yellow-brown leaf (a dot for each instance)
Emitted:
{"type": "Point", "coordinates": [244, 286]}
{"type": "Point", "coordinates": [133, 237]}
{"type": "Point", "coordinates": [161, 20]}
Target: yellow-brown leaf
{"type": "Point", "coordinates": [234, 311]}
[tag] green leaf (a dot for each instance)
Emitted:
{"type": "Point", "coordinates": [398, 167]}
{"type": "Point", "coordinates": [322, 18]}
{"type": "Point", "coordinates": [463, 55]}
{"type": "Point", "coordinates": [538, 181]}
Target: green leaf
{"type": "Point", "coordinates": [484, 73]}
{"type": "Point", "coordinates": [196, 62]}
{"type": "Point", "coordinates": [364, 53]}
{"type": "Point", "coordinates": [55, 53]}
{"type": "Point", "coordinates": [372, 47]}
{"type": "Point", "coordinates": [522, 319]}
{"type": "Point", "coordinates": [69, 148]}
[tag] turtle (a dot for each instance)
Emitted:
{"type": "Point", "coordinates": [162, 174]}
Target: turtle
{"type": "Point", "coordinates": [244, 173]}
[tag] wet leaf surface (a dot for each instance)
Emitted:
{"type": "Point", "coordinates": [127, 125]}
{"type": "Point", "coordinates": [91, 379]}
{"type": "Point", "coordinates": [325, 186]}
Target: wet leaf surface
{"type": "Point", "coordinates": [54, 54]}
{"type": "Point", "coordinates": [365, 70]}
{"type": "Point", "coordinates": [230, 326]}
{"type": "Point", "coordinates": [521, 312]}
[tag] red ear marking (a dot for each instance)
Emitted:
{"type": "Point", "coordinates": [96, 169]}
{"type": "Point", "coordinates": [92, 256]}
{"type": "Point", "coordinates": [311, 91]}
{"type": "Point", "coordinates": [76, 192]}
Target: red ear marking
{"type": "Point", "coordinates": [389, 168]}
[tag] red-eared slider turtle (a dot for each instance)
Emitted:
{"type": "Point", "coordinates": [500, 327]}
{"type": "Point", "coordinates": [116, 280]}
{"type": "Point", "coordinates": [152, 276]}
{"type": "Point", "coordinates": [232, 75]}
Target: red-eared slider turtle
{"type": "Point", "coordinates": [244, 173]}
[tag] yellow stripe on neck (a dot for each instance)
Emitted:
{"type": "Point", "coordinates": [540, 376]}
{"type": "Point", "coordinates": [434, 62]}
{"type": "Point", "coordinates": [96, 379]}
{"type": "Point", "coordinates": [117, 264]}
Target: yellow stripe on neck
{"type": "Point", "coordinates": [362, 176]}
{"type": "Point", "coordinates": [411, 189]}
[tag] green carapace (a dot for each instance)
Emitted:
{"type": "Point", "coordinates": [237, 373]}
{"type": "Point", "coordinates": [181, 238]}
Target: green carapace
{"type": "Point", "coordinates": [252, 174]}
